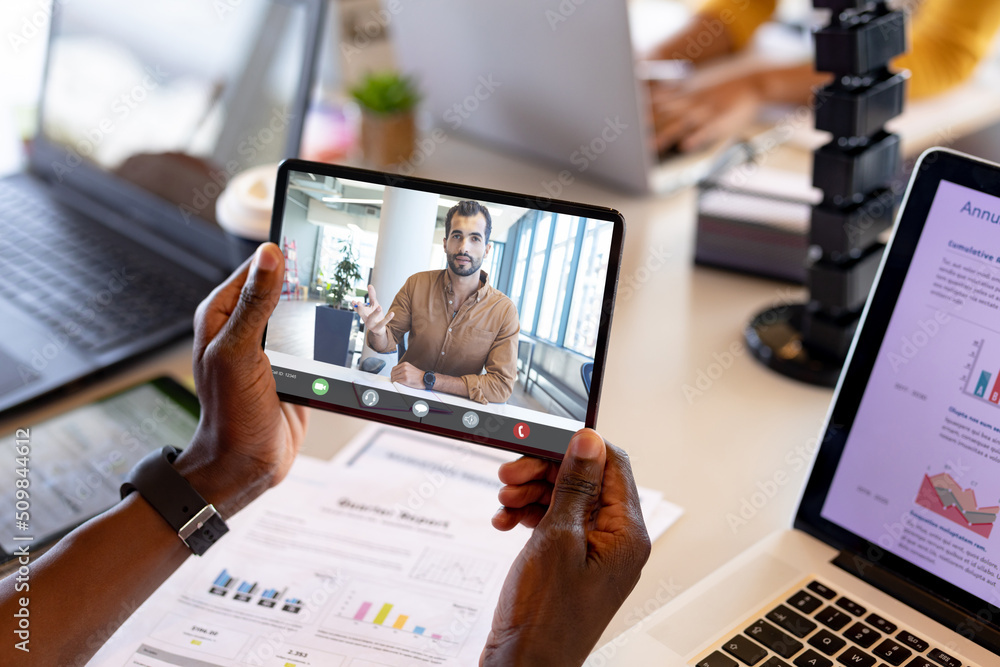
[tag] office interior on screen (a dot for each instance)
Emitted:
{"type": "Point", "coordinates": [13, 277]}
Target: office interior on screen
{"type": "Point", "coordinates": [552, 266]}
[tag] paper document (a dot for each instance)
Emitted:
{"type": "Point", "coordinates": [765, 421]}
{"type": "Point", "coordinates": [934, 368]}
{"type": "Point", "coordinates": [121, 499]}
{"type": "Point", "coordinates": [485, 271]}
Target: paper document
{"type": "Point", "coordinates": [382, 557]}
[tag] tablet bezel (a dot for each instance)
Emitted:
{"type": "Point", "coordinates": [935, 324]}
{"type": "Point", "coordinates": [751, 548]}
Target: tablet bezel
{"type": "Point", "coordinates": [462, 191]}
{"type": "Point", "coordinates": [934, 166]}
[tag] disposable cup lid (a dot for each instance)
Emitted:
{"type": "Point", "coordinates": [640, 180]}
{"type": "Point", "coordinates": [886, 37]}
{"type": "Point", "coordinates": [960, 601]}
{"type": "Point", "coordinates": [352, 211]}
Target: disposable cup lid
{"type": "Point", "coordinates": [244, 208]}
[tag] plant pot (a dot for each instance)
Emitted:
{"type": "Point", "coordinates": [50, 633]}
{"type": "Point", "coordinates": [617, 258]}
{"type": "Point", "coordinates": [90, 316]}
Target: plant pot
{"type": "Point", "coordinates": [387, 139]}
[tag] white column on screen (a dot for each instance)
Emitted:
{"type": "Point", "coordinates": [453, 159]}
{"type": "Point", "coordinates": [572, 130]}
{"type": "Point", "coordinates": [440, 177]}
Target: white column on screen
{"type": "Point", "coordinates": [405, 237]}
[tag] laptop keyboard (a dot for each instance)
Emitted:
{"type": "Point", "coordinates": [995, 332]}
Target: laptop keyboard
{"type": "Point", "coordinates": [86, 284]}
{"type": "Point", "coordinates": [814, 626]}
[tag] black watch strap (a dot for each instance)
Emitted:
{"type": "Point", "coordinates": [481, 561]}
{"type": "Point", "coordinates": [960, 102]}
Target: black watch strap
{"type": "Point", "coordinates": [195, 521]}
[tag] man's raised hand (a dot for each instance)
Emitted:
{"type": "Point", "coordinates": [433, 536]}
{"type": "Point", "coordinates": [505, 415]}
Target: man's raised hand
{"type": "Point", "coordinates": [370, 314]}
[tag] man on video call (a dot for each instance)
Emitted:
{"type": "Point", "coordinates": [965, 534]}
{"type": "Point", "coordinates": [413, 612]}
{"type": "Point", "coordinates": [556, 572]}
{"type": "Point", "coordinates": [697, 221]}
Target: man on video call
{"type": "Point", "coordinates": [458, 324]}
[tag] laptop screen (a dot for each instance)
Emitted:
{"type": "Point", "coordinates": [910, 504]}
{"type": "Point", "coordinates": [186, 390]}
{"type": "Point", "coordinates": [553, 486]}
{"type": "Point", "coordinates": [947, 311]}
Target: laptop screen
{"type": "Point", "coordinates": [920, 471]}
{"type": "Point", "coordinates": [174, 97]}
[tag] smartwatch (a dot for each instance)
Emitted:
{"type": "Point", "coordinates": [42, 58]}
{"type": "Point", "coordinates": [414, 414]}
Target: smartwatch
{"type": "Point", "coordinates": [195, 521]}
{"type": "Point", "coordinates": [429, 380]}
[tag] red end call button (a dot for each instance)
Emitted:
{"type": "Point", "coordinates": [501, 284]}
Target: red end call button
{"type": "Point", "coordinates": [521, 431]}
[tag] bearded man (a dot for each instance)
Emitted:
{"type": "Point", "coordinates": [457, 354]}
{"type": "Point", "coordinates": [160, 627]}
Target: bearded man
{"type": "Point", "coordinates": [463, 332]}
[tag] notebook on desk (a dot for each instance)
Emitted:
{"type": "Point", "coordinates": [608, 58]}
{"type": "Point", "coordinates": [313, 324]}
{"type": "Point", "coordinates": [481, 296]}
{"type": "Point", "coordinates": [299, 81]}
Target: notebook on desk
{"type": "Point", "coordinates": [891, 560]}
{"type": "Point", "coordinates": [108, 239]}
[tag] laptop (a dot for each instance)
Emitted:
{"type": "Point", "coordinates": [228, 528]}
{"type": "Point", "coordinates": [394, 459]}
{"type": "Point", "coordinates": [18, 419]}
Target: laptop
{"type": "Point", "coordinates": [108, 239]}
{"type": "Point", "coordinates": [892, 558]}
{"type": "Point", "coordinates": [556, 83]}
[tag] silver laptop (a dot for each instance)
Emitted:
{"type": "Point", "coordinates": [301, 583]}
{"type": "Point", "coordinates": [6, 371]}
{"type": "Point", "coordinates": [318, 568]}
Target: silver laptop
{"type": "Point", "coordinates": [555, 82]}
{"type": "Point", "coordinates": [108, 240]}
{"type": "Point", "coordinates": [892, 559]}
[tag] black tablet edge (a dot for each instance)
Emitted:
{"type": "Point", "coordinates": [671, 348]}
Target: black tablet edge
{"type": "Point", "coordinates": [468, 191]}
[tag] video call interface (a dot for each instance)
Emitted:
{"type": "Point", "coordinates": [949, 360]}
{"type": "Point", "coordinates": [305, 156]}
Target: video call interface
{"type": "Point", "coordinates": [502, 303]}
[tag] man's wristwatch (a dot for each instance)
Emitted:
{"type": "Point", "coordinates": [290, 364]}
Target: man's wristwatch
{"type": "Point", "coordinates": [196, 522]}
{"type": "Point", "coordinates": [429, 380]}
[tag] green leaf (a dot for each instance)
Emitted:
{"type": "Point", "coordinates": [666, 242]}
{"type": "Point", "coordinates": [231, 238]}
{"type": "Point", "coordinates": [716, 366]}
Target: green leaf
{"type": "Point", "coordinates": [386, 93]}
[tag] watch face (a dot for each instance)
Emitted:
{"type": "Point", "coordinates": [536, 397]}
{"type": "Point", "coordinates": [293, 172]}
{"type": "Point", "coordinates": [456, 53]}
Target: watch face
{"type": "Point", "coordinates": [429, 379]}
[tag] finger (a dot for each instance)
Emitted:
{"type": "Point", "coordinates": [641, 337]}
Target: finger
{"type": "Point", "coordinates": [621, 512]}
{"type": "Point", "coordinates": [619, 481]}
{"type": "Point", "coordinates": [695, 121]}
{"type": "Point", "coordinates": [372, 300]}
{"type": "Point", "coordinates": [257, 299]}
{"type": "Point", "coordinates": [506, 518]}
{"type": "Point", "coordinates": [213, 313]}
{"type": "Point", "coordinates": [671, 132]}
{"type": "Point", "coordinates": [578, 486]}
{"type": "Point", "coordinates": [380, 325]}
{"type": "Point", "coordinates": [526, 469]}
{"type": "Point", "coordinates": [523, 495]}
{"type": "Point", "coordinates": [397, 373]}
{"type": "Point", "coordinates": [722, 125]}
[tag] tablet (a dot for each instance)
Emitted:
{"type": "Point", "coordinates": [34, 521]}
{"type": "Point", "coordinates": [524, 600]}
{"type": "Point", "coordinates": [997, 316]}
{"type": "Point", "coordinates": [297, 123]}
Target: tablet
{"type": "Point", "coordinates": [70, 468]}
{"type": "Point", "coordinates": [488, 312]}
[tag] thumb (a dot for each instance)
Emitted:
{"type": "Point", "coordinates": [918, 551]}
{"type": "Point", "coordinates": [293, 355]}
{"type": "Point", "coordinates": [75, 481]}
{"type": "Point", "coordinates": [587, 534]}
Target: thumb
{"type": "Point", "coordinates": [258, 297]}
{"type": "Point", "coordinates": [578, 484]}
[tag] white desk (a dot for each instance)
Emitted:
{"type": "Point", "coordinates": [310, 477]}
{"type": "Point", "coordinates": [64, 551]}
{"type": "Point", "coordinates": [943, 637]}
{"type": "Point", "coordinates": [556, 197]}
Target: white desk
{"type": "Point", "coordinates": [707, 452]}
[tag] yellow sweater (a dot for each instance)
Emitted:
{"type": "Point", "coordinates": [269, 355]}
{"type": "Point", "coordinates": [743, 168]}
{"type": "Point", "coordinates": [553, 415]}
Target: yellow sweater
{"type": "Point", "coordinates": [948, 38]}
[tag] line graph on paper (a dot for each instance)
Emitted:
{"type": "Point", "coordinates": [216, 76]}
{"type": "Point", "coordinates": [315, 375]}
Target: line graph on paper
{"type": "Point", "coordinates": [461, 571]}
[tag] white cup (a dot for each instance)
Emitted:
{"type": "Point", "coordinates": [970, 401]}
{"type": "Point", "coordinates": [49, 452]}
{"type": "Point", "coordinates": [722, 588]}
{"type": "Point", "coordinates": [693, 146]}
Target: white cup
{"type": "Point", "coordinates": [244, 210]}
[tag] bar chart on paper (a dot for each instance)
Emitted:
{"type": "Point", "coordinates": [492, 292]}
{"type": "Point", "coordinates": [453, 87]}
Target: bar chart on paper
{"type": "Point", "coordinates": [251, 592]}
{"type": "Point", "coordinates": [403, 618]}
{"type": "Point", "coordinates": [981, 372]}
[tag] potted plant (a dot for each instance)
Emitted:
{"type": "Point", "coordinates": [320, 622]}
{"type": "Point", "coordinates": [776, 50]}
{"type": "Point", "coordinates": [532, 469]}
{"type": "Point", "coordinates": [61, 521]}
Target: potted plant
{"type": "Point", "coordinates": [335, 323]}
{"type": "Point", "coordinates": [388, 132]}
{"type": "Point", "coordinates": [345, 274]}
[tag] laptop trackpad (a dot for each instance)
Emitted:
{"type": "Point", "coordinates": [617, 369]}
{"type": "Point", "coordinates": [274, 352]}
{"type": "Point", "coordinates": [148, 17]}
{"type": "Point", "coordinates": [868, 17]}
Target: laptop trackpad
{"type": "Point", "coordinates": [732, 598]}
{"type": "Point", "coordinates": [14, 373]}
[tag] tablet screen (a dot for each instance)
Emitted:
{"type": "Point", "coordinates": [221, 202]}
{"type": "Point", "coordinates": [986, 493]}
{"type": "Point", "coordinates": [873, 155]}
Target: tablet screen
{"type": "Point", "coordinates": [487, 313]}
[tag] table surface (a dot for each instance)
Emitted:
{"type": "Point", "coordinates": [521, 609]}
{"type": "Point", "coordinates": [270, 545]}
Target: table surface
{"type": "Point", "coordinates": [703, 421]}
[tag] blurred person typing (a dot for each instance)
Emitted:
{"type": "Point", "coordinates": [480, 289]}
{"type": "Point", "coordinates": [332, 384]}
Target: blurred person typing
{"type": "Point", "coordinates": [948, 40]}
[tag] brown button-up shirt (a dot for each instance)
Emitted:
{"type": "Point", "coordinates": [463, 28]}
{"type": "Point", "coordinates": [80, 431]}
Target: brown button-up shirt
{"type": "Point", "coordinates": [482, 334]}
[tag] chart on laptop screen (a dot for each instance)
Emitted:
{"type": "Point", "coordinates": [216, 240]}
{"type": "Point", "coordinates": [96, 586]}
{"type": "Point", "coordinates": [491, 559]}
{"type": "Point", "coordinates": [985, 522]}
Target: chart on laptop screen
{"type": "Point", "coordinates": [920, 473]}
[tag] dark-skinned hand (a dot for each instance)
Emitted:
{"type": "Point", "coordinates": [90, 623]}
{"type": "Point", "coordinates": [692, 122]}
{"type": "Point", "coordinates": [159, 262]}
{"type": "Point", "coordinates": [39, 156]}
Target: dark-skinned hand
{"type": "Point", "coordinates": [582, 560]}
{"type": "Point", "coordinates": [246, 438]}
